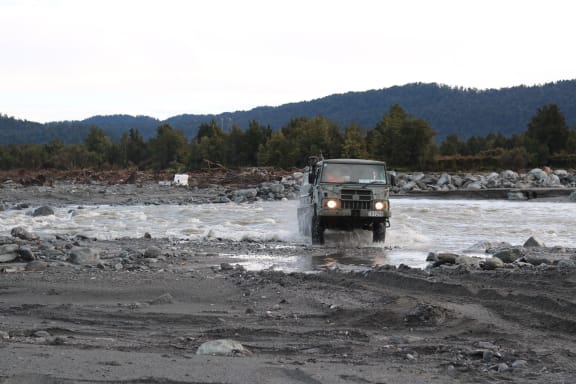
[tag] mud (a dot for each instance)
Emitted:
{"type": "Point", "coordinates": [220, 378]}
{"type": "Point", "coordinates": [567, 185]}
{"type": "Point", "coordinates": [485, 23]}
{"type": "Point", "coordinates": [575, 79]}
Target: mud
{"type": "Point", "coordinates": [143, 320]}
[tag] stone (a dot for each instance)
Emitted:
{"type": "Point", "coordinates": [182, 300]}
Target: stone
{"type": "Point", "coordinates": [493, 263]}
{"type": "Point", "coordinates": [8, 253]}
{"type": "Point", "coordinates": [509, 255]}
{"type": "Point", "coordinates": [538, 175]}
{"type": "Point", "coordinates": [566, 266]}
{"type": "Point", "coordinates": [519, 364]}
{"type": "Point", "coordinates": [22, 233]}
{"type": "Point", "coordinates": [226, 267]}
{"type": "Point", "coordinates": [534, 242]}
{"type": "Point", "coordinates": [464, 260]}
{"type": "Point", "coordinates": [444, 179]}
{"type": "Point", "coordinates": [152, 252]}
{"type": "Point", "coordinates": [248, 194]}
{"type": "Point", "coordinates": [43, 211]}
{"type": "Point", "coordinates": [509, 175]}
{"type": "Point", "coordinates": [222, 347]}
{"type": "Point", "coordinates": [26, 253]}
{"type": "Point", "coordinates": [447, 258]}
{"type": "Point", "coordinates": [84, 256]}
{"type": "Point", "coordinates": [474, 186]}
{"type": "Point", "coordinates": [277, 188]}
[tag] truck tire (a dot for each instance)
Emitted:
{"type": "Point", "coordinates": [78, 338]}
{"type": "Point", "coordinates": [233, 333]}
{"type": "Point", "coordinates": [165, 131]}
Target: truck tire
{"type": "Point", "coordinates": [378, 232]}
{"type": "Point", "coordinates": [317, 231]}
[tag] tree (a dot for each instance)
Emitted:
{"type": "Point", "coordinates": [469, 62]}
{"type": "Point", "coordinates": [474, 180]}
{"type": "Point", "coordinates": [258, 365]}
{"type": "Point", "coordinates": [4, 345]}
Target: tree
{"type": "Point", "coordinates": [277, 152]}
{"type": "Point", "coordinates": [255, 136]}
{"type": "Point", "coordinates": [452, 145]}
{"type": "Point", "coordinates": [402, 140]}
{"type": "Point", "coordinates": [134, 147]}
{"type": "Point", "coordinates": [547, 133]}
{"type": "Point", "coordinates": [354, 145]}
{"type": "Point", "coordinates": [99, 145]}
{"type": "Point", "coordinates": [208, 130]}
{"type": "Point", "coordinates": [312, 137]}
{"type": "Point", "coordinates": [169, 149]}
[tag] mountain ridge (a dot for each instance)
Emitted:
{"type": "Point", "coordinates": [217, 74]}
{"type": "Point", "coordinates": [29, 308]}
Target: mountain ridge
{"type": "Point", "coordinates": [463, 111]}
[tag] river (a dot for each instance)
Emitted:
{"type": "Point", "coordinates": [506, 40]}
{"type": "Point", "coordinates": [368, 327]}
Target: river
{"type": "Point", "coordinates": [418, 226]}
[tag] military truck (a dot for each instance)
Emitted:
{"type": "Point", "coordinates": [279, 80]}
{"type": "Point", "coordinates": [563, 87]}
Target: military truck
{"type": "Point", "coordinates": [344, 194]}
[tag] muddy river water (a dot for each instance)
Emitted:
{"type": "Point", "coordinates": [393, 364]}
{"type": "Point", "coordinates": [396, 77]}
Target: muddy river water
{"type": "Point", "coordinates": [418, 226]}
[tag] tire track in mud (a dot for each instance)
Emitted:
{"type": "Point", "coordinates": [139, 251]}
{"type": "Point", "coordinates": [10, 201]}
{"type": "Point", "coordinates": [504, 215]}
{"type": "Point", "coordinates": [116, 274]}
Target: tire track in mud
{"type": "Point", "coordinates": [518, 299]}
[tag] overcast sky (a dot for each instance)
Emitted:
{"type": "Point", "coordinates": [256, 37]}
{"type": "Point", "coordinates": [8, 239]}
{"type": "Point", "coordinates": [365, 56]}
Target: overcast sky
{"type": "Point", "coordinates": [72, 59]}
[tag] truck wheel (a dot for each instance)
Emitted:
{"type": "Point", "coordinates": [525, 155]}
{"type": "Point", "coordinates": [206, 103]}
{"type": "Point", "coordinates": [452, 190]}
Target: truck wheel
{"type": "Point", "coordinates": [378, 232]}
{"type": "Point", "coordinates": [317, 231]}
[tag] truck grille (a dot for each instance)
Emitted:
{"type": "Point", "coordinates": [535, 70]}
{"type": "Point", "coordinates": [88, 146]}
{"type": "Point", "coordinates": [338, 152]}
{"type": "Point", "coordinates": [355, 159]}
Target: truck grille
{"type": "Point", "coordinates": [356, 199]}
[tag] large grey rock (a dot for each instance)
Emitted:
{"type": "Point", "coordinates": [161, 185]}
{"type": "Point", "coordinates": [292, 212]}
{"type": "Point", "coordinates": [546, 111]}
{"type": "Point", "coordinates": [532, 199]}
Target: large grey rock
{"type": "Point", "coordinates": [43, 211]}
{"type": "Point", "coordinates": [22, 233]}
{"type": "Point", "coordinates": [509, 175]}
{"type": "Point", "coordinates": [493, 263]}
{"type": "Point", "coordinates": [152, 252]}
{"type": "Point", "coordinates": [474, 186]}
{"type": "Point", "coordinates": [444, 179]}
{"type": "Point", "coordinates": [25, 253]}
{"type": "Point", "coordinates": [538, 175]}
{"type": "Point", "coordinates": [222, 347]}
{"type": "Point", "coordinates": [509, 255]}
{"type": "Point", "coordinates": [566, 266]}
{"type": "Point", "coordinates": [545, 258]}
{"type": "Point", "coordinates": [8, 252]}
{"type": "Point", "coordinates": [84, 256]}
{"type": "Point", "coordinates": [534, 242]}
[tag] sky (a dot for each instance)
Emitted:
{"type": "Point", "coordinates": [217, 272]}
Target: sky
{"type": "Point", "coordinates": [73, 59]}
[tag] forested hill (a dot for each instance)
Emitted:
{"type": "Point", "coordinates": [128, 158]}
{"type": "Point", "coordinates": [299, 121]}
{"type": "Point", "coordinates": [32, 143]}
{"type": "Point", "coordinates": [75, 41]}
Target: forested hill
{"type": "Point", "coordinates": [467, 112]}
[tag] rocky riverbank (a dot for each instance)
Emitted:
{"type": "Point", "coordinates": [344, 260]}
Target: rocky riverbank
{"type": "Point", "coordinates": [261, 184]}
{"type": "Point", "coordinates": [536, 183]}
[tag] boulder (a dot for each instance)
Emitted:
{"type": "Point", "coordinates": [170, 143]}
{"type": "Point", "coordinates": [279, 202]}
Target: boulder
{"type": "Point", "coordinates": [22, 233]}
{"type": "Point", "coordinates": [8, 253]}
{"type": "Point", "coordinates": [493, 263]}
{"type": "Point", "coordinates": [84, 256]}
{"type": "Point", "coordinates": [152, 252]}
{"type": "Point", "coordinates": [474, 186]}
{"type": "Point", "coordinates": [534, 242]}
{"type": "Point", "coordinates": [509, 255]}
{"type": "Point", "coordinates": [222, 347]}
{"type": "Point", "coordinates": [444, 179]}
{"type": "Point", "coordinates": [538, 175]}
{"type": "Point", "coordinates": [43, 211]}
{"type": "Point", "coordinates": [509, 175]}
{"type": "Point", "coordinates": [566, 266]}
{"type": "Point", "coordinates": [26, 253]}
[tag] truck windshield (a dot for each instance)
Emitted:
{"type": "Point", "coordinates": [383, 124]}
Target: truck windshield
{"type": "Point", "coordinates": [353, 173]}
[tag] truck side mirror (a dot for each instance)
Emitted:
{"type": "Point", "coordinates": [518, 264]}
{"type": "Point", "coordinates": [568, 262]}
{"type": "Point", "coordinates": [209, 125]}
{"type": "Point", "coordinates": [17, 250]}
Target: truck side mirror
{"type": "Point", "coordinates": [311, 178]}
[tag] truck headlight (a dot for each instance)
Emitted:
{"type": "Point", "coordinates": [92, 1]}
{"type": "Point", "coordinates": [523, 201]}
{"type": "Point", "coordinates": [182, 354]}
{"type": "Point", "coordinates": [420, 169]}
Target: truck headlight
{"type": "Point", "coordinates": [331, 203]}
{"type": "Point", "coordinates": [380, 205]}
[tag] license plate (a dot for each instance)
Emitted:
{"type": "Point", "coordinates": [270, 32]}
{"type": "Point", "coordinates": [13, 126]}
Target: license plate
{"type": "Point", "coordinates": [375, 213]}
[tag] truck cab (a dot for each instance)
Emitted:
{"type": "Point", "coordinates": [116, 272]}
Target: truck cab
{"type": "Point", "coordinates": [344, 194]}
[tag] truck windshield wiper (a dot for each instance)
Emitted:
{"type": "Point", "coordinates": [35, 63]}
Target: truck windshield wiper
{"type": "Point", "coordinates": [373, 182]}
